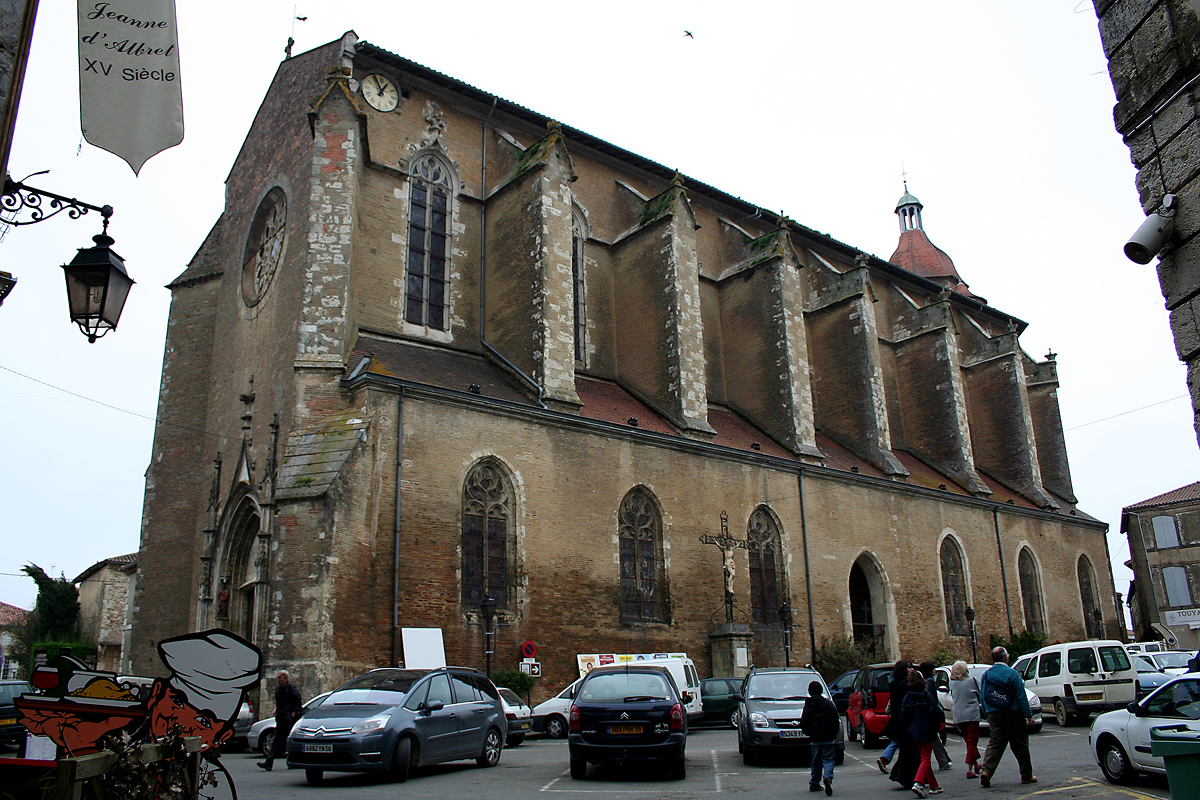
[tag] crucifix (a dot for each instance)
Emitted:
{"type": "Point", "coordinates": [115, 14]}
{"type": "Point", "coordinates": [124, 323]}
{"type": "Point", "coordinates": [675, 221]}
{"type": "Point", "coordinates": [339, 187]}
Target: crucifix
{"type": "Point", "coordinates": [727, 544]}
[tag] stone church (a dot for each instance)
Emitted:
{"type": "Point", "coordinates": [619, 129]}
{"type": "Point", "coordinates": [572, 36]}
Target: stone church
{"type": "Point", "coordinates": [441, 355]}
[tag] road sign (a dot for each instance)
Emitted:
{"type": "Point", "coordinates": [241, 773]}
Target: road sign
{"type": "Point", "coordinates": [530, 667]}
{"type": "Point", "coordinates": [529, 649]}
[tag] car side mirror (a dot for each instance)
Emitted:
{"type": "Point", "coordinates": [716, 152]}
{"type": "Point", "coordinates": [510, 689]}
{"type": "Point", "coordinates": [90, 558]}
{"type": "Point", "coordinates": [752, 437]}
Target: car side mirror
{"type": "Point", "coordinates": [1135, 709]}
{"type": "Point", "coordinates": [432, 706]}
{"type": "Point", "coordinates": [738, 697]}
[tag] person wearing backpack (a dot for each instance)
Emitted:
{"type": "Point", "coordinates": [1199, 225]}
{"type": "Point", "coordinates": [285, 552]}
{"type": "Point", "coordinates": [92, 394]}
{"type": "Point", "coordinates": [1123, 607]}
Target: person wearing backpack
{"type": "Point", "coordinates": [820, 722]}
{"type": "Point", "coordinates": [1004, 702]}
{"type": "Point", "coordinates": [922, 717]}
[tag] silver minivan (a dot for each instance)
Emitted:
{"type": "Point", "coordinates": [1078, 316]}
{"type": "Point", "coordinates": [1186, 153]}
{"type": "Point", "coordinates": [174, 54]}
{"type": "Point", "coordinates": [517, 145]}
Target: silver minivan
{"type": "Point", "coordinates": [1078, 679]}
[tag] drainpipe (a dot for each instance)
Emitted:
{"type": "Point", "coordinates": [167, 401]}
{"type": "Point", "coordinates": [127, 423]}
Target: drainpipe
{"type": "Point", "coordinates": [541, 391]}
{"type": "Point", "coordinates": [1003, 575]}
{"type": "Point", "coordinates": [396, 549]}
{"type": "Point", "coordinates": [812, 629]}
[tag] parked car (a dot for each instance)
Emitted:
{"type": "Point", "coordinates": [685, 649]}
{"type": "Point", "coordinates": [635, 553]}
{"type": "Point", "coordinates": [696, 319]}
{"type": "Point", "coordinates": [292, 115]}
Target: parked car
{"type": "Point", "coordinates": [1144, 647]}
{"type": "Point", "coordinates": [770, 705]}
{"type": "Point", "coordinates": [550, 717]}
{"type": "Point", "coordinates": [395, 719]}
{"type": "Point", "coordinates": [11, 730]}
{"type": "Point", "coordinates": [1120, 740]}
{"type": "Point", "coordinates": [866, 710]}
{"type": "Point", "coordinates": [719, 706]}
{"type": "Point", "coordinates": [1172, 662]}
{"type": "Point", "coordinates": [941, 681]}
{"type": "Point", "coordinates": [1081, 678]}
{"type": "Point", "coordinates": [1149, 677]}
{"type": "Point", "coordinates": [261, 737]}
{"type": "Point", "coordinates": [628, 712]}
{"type": "Point", "coordinates": [839, 690]}
{"type": "Point", "coordinates": [518, 713]}
{"type": "Point", "coordinates": [243, 722]}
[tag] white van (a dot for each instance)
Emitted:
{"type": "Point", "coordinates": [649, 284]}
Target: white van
{"type": "Point", "coordinates": [682, 669]}
{"type": "Point", "coordinates": [1077, 679]}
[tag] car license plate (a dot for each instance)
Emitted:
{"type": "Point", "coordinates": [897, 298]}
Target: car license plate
{"type": "Point", "coordinates": [1096, 696]}
{"type": "Point", "coordinates": [624, 729]}
{"type": "Point", "coordinates": [318, 748]}
{"type": "Point", "coordinates": [8, 721]}
{"type": "Point", "coordinates": [790, 734]}
{"type": "Point", "coordinates": [524, 725]}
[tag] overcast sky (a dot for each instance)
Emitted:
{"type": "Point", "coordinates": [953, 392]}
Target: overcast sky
{"type": "Point", "coordinates": [1000, 113]}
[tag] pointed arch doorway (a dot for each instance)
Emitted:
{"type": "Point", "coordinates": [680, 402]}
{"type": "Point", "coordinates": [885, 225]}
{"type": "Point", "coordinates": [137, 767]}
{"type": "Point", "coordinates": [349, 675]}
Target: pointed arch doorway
{"type": "Point", "coordinates": [868, 607]}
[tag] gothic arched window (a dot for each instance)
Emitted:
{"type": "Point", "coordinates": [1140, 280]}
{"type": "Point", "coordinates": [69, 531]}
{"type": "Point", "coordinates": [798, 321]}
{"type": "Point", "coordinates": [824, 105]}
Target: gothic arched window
{"type": "Point", "coordinates": [954, 588]}
{"type": "Point", "coordinates": [1031, 591]}
{"type": "Point", "coordinates": [766, 567]}
{"type": "Point", "coordinates": [578, 238]}
{"type": "Point", "coordinates": [643, 584]}
{"type": "Point", "coordinates": [488, 536]}
{"type": "Point", "coordinates": [428, 268]}
{"type": "Point", "coordinates": [1087, 598]}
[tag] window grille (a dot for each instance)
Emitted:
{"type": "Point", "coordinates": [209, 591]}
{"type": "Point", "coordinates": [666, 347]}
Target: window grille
{"type": "Point", "coordinates": [954, 588]}
{"type": "Point", "coordinates": [428, 244]}
{"type": "Point", "coordinates": [640, 535]}
{"type": "Point", "coordinates": [765, 568]}
{"type": "Point", "coordinates": [487, 545]}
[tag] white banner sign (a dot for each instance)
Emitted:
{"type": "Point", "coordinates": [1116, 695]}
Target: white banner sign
{"type": "Point", "coordinates": [130, 100]}
{"type": "Point", "coordinates": [1185, 616]}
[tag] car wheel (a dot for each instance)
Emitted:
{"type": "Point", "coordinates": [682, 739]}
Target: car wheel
{"type": "Point", "coordinates": [870, 740]}
{"type": "Point", "coordinates": [733, 717]}
{"type": "Point", "coordinates": [492, 743]}
{"type": "Point", "coordinates": [314, 776]}
{"type": "Point", "coordinates": [1114, 763]}
{"type": "Point", "coordinates": [514, 740]}
{"type": "Point", "coordinates": [840, 756]}
{"type": "Point", "coordinates": [679, 769]}
{"type": "Point", "coordinates": [578, 769]}
{"type": "Point", "coordinates": [266, 744]}
{"type": "Point", "coordinates": [1060, 714]}
{"type": "Point", "coordinates": [556, 727]}
{"type": "Point", "coordinates": [402, 759]}
{"type": "Point", "coordinates": [851, 731]}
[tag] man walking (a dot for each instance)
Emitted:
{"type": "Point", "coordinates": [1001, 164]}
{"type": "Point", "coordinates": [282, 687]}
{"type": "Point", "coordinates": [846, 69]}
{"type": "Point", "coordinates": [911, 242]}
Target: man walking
{"type": "Point", "coordinates": [819, 721]}
{"type": "Point", "coordinates": [1007, 708]}
{"type": "Point", "coordinates": [288, 707]}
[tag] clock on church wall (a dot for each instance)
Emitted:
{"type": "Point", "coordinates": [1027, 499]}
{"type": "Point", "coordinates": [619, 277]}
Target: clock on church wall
{"type": "Point", "coordinates": [380, 92]}
{"type": "Point", "coordinates": [264, 247]}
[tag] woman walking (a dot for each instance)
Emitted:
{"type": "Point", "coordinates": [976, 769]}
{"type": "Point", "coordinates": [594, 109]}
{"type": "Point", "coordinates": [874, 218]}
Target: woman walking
{"type": "Point", "coordinates": [964, 690]}
{"type": "Point", "coordinates": [896, 690]}
{"type": "Point", "coordinates": [922, 717]}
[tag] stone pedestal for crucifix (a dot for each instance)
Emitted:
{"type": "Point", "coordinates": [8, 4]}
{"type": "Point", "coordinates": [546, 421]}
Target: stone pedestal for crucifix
{"type": "Point", "coordinates": [729, 643]}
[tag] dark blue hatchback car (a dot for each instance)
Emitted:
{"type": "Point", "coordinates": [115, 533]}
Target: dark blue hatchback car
{"type": "Point", "coordinates": [628, 713]}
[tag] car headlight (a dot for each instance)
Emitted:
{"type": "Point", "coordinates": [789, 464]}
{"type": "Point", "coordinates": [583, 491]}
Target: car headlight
{"type": "Point", "coordinates": [368, 725]}
{"type": "Point", "coordinates": [759, 720]}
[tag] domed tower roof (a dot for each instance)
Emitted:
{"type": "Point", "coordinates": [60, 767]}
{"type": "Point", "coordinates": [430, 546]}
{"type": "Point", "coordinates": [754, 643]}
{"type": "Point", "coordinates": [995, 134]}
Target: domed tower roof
{"type": "Point", "coordinates": [917, 254]}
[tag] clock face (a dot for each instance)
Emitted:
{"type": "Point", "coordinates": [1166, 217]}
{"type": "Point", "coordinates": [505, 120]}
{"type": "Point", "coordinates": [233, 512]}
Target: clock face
{"type": "Point", "coordinates": [380, 92]}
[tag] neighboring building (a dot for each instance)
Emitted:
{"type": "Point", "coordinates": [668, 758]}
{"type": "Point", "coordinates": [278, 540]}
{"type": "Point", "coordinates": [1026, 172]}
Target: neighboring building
{"type": "Point", "coordinates": [103, 593]}
{"type": "Point", "coordinates": [1153, 50]}
{"type": "Point", "coordinates": [1164, 545]}
{"type": "Point", "coordinates": [439, 348]}
{"type": "Point", "coordinates": [12, 620]}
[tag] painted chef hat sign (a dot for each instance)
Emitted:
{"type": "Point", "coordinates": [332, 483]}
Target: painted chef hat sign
{"type": "Point", "coordinates": [210, 673]}
{"type": "Point", "coordinates": [130, 99]}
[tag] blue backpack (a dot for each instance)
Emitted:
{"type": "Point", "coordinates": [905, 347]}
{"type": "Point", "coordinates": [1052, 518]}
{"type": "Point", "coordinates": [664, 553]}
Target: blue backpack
{"type": "Point", "coordinates": [998, 696]}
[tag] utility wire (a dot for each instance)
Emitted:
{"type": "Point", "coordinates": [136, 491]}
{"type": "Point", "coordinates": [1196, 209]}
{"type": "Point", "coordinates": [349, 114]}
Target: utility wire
{"type": "Point", "coordinates": [1123, 413]}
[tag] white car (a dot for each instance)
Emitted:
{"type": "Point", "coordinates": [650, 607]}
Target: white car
{"type": "Point", "coordinates": [551, 716]}
{"type": "Point", "coordinates": [262, 733]}
{"type": "Point", "coordinates": [1120, 740]}
{"type": "Point", "coordinates": [941, 678]}
{"type": "Point", "coordinates": [519, 715]}
{"type": "Point", "coordinates": [1172, 662]}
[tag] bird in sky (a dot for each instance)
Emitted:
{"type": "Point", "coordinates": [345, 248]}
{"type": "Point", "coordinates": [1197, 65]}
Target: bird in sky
{"type": "Point", "coordinates": [688, 34]}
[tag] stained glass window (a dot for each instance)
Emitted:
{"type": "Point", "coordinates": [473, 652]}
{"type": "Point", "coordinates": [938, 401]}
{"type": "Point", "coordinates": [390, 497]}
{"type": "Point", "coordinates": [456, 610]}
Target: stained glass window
{"type": "Point", "coordinates": [766, 567]}
{"type": "Point", "coordinates": [487, 548]}
{"type": "Point", "coordinates": [428, 244]}
{"type": "Point", "coordinates": [580, 297]}
{"type": "Point", "coordinates": [1031, 591]}
{"type": "Point", "coordinates": [954, 588]}
{"type": "Point", "coordinates": [640, 535]}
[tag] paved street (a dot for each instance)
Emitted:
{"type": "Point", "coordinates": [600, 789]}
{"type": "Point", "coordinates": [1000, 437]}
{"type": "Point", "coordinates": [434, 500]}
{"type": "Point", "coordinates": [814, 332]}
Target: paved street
{"type": "Point", "coordinates": [538, 769]}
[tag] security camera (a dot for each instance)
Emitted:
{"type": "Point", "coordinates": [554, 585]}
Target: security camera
{"type": "Point", "coordinates": [1153, 233]}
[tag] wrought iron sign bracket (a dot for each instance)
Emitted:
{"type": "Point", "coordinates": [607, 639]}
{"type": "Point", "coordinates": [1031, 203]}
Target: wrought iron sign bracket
{"type": "Point", "coordinates": [38, 205]}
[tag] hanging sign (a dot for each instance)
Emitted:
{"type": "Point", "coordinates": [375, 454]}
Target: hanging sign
{"type": "Point", "coordinates": [130, 99]}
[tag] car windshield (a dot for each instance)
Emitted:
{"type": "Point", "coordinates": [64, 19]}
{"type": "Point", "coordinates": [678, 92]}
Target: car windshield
{"type": "Point", "coordinates": [1168, 660]}
{"type": "Point", "coordinates": [511, 697]}
{"type": "Point", "coordinates": [779, 686]}
{"type": "Point", "coordinates": [9, 691]}
{"type": "Point", "coordinates": [629, 687]}
{"type": "Point", "coordinates": [378, 687]}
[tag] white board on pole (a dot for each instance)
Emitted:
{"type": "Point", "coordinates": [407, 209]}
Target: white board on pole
{"type": "Point", "coordinates": [423, 648]}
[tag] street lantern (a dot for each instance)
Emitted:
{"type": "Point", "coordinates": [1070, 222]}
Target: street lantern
{"type": "Point", "coordinates": [971, 622]}
{"type": "Point", "coordinates": [97, 286]}
{"type": "Point", "coordinates": [488, 609]}
{"type": "Point", "coordinates": [785, 616]}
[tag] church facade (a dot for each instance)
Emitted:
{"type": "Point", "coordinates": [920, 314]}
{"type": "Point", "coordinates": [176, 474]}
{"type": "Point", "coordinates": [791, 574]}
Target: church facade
{"type": "Point", "coordinates": [442, 355]}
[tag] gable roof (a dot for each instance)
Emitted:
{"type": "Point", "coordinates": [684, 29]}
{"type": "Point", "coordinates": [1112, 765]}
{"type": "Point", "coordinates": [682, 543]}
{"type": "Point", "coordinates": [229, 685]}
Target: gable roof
{"type": "Point", "coordinates": [1183, 494]}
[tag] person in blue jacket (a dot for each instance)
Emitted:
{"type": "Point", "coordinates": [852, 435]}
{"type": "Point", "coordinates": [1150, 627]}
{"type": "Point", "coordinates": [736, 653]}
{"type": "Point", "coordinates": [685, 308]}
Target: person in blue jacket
{"type": "Point", "coordinates": [1004, 702]}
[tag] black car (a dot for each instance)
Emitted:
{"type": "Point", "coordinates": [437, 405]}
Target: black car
{"type": "Point", "coordinates": [840, 689]}
{"type": "Point", "coordinates": [628, 713]}
{"type": "Point", "coordinates": [770, 705]}
{"type": "Point", "coordinates": [390, 720]}
{"type": "Point", "coordinates": [11, 730]}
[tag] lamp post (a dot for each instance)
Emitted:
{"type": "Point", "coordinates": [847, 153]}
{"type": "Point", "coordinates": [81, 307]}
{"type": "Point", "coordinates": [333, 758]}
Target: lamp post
{"type": "Point", "coordinates": [971, 622]}
{"type": "Point", "coordinates": [488, 609]}
{"type": "Point", "coordinates": [785, 616]}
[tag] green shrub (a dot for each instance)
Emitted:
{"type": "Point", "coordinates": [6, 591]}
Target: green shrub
{"type": "Point", "coordinates": [1020, 644]}
{"type": "Point", "coordinates": [944, 656]}
{"type": "Point", "coordinates": [836, 655]}
{"type": "Point", "coordinates": [514, 679]}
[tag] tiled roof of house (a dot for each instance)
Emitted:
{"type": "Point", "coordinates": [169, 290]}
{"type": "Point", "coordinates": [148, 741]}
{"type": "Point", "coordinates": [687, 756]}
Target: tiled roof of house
{"type": "Point", "coordinates": [11, 615]}
{"type": "Point", "coordinates": [1183, 494]}
{"type": "Point", "coordinates": [115, 561]}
